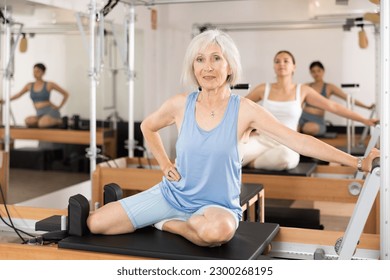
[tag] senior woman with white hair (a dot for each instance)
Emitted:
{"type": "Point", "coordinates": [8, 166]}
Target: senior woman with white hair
{"type": "Point", "coordinates": [198, 197]}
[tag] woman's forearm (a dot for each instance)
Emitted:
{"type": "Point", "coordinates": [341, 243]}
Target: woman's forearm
{"type": "Point", "coordinates": [349, 114]}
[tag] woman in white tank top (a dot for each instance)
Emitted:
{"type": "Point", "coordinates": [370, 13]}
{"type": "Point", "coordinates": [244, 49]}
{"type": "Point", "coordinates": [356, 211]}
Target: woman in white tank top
{"type": "Point", "coordinates": [285, 99]}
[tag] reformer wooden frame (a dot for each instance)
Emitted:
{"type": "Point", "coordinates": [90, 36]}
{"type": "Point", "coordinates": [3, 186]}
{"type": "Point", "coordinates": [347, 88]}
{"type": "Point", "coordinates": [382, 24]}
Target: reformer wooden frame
{"type": "Point", "coordinates": [4, 173]}
{"type": "Point", "coordinates": [52, 252]}
{"type": "Point", "coordinates": [124, 172]}
{"type": "Point", "coordinates": [105, 137]}
{"type": "Point", "coordinates": [140, 179]}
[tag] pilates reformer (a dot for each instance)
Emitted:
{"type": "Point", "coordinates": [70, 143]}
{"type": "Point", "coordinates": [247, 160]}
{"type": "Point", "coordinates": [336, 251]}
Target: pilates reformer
{"type": "Point", "coordinates": [251, 195]}
{"type": "Point", "coordinates": [343, 190]}
{"type": "Point", "coordinates": [288, 243]}
{"type": "Point", "coordinates": [302, 217]}
{"type": "Point", "coordinates": [124, 172]}
{"type": "Point", "coordinates": [250, 241]}
{"type": "Point", "coordinates": [303, 242]}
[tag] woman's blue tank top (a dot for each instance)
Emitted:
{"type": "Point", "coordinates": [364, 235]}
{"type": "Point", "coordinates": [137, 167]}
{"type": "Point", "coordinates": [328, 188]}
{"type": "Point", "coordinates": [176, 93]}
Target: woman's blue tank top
{"type": "Point", "coordinates": [208, 162]}
{"type": "Point", "coordinates": [39, 96]}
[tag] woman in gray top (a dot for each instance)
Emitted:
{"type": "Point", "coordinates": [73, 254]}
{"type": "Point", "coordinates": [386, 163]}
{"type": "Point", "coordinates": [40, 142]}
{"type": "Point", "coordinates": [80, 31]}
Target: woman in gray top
{"type": "Point", "coordinates": [312, 120]}
{"type": "Point", "coordinates": [48, 114]}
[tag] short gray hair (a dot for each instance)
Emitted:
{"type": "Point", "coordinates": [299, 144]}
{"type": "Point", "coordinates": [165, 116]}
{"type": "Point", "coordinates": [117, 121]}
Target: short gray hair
{"type": "Point", "coordinates": [201, 42]}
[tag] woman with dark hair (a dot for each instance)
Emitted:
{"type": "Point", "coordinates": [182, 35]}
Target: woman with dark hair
{"type": "Point", "coordinates": [312, 120]}
{"type": "Point", "coordinates": [48, 114]}
{"type": "Point", "coordinates": [284, 99]}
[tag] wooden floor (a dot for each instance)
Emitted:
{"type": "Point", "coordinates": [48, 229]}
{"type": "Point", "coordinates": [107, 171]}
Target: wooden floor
{"type": "Point", "coordinates": [25, 184]}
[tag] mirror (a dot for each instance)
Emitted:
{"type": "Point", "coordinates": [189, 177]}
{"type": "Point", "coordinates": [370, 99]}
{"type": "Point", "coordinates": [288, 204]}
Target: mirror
{"type": "Point", "coordinates": [159, 52]}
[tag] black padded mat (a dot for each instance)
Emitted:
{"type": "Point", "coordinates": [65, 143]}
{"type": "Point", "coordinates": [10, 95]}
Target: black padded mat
{"type": "Point", "coordinates": [248, 191]}
{"type": "Point", "coordinates": [303, 169]}
{"type": "Point", "coordinates": [51, 223]}
{"type": "Point", "coordinates": [250, 240]}
{"type": "Point", "coordinates": [355, 151]}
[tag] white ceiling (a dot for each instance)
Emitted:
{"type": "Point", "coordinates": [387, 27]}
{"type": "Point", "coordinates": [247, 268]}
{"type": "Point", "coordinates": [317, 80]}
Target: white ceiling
{"type": "Point", "coordinates": [57, 12]}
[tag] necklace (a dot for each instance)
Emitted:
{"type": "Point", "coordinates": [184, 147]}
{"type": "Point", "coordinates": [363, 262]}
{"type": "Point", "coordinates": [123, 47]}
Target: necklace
{"type": "Point", "coordinates": [213, 111]}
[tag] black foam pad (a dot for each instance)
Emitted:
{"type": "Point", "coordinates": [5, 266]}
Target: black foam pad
{"type": "Point", "coordinates": [249, 242]}
{"type": "Point", "coordinates": [112, 192]}
{"type": "Point", "coordinates": [51, 223]}
{"type": "Point", "coordinates": [78, 212]}
{"type": "Point", "coordinates": [248, 191]}
{"type": "Point", "coordinates": [294, 217]}
{"type": "Point", "coordinates": [303, 169]}
{"type": "Point", "coordinates": [355, 151]}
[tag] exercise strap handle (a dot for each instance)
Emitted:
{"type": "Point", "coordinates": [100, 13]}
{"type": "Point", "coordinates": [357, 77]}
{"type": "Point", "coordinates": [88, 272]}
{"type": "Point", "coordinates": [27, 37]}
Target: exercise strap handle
{"type": "Point", "coordinates": [375, 163]}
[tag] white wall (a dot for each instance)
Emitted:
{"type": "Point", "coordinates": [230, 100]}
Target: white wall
{"type": "Point", "coordinates": [338, 50]}
{"type": "Point", "coordinates": [159, 54]}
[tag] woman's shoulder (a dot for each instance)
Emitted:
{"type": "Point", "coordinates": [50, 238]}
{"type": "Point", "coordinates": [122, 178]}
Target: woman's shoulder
{"type": "Point", "coordinates": [179, 99]}
{"type": "Point", "coordinates": [331, 86]}
{"type": "Point", "coordinates": [306, 90]}
{"type": "Point", "coordinates": [28, 86]}
{"type": "Point", "coordinates": [184, 95]}
{"type": "Point", "coordinates": [257, 92]}
{"type": "Point", "coordinates": [50, 85]}
{"type": "Point", "coordinates": [246, 102]}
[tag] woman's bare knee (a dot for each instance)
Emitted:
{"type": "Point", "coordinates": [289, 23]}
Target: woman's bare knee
{"type": "Point", "coordinates": [215, 232]}
{"type": "Point", "coordinates": [218, 233]}
{"type": "Point", "coordinates": [94, 224]}
{"type": "Point", "coordinates": [47, 121]}
{"type": "Point", "coordinates": [311, 128]}
{"type": "Point", "coordinates": [110, 219]}
{"type": "Point", "coordinates": [31, 121]}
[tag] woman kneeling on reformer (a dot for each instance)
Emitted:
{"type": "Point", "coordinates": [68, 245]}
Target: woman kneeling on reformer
{"type": "Point", "coordinates": [198, 197]}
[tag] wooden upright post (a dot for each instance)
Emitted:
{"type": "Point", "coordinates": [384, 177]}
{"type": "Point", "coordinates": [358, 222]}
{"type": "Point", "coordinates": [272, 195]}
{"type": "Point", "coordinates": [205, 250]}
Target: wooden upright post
{"type": "Point", "coordinates": [4, 172]}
